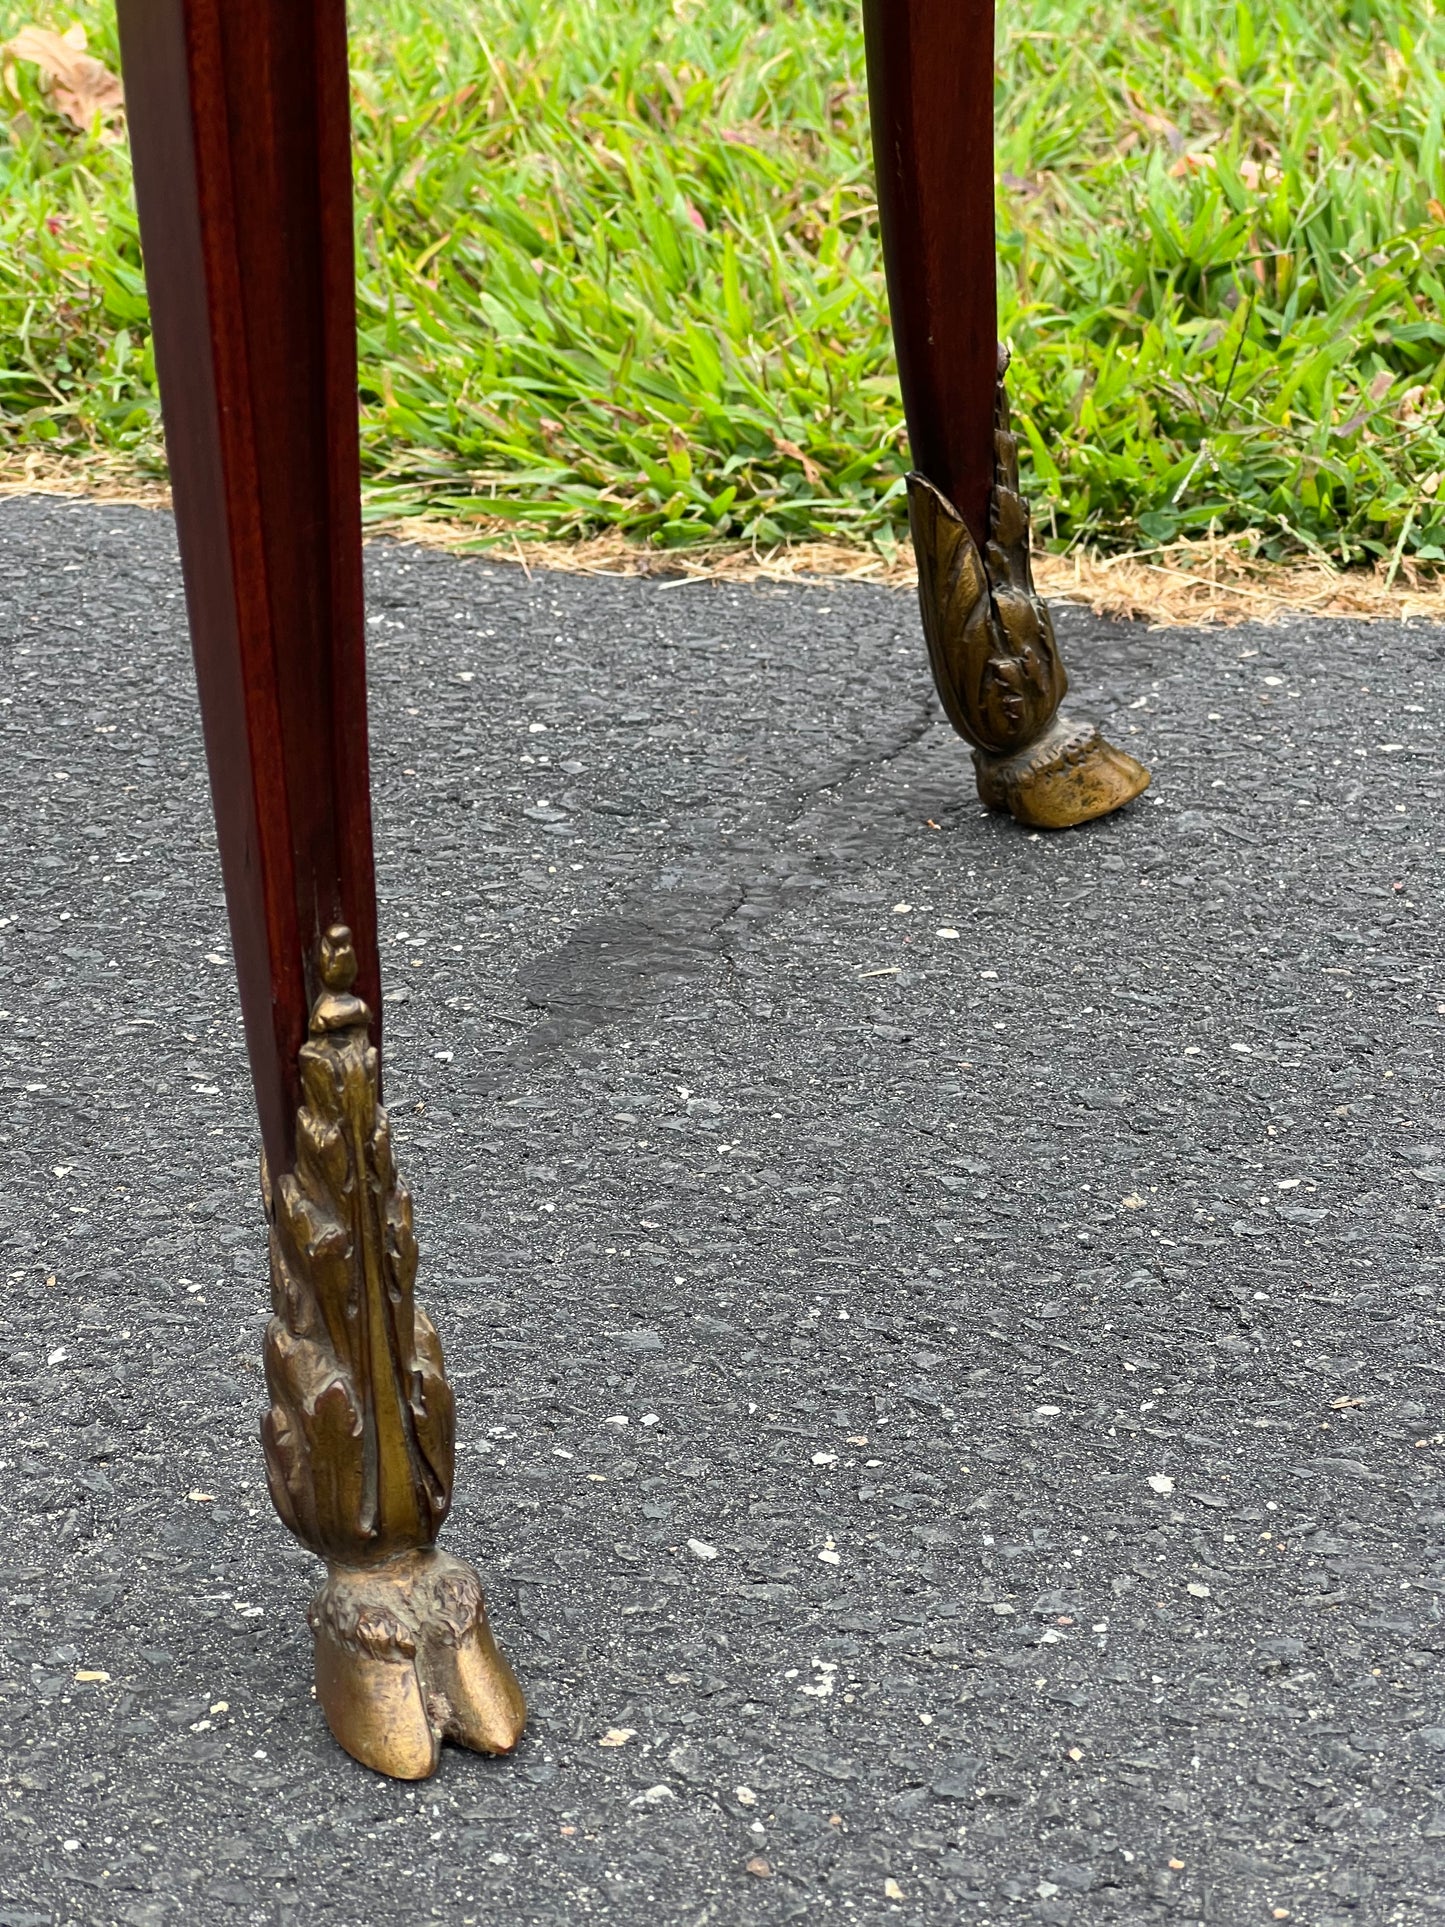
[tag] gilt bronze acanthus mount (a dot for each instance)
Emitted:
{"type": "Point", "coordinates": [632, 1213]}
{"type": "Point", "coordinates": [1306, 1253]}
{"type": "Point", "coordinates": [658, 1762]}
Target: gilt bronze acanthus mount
{"type": "Point", "coordinates": [996, 659]}
{"type": "Point", "coordinates": [359, 1437]}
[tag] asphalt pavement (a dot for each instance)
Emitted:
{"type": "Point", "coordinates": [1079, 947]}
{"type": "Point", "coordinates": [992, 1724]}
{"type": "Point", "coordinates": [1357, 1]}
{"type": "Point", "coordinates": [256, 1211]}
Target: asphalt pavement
{"type": "Point", "coordinates": [945, 1321]}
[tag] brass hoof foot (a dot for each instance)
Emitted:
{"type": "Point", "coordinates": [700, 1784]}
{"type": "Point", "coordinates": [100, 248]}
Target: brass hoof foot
{"type": "Point", "coordinates": [405, 1659]}
{"type": "Point", "coordinates": [1070, 775]}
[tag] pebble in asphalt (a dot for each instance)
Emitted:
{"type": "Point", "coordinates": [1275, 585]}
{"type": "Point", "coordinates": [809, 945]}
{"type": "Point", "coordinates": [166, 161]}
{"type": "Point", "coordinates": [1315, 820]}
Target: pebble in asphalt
{"type": "Point", "coordinates": [945, 1322]}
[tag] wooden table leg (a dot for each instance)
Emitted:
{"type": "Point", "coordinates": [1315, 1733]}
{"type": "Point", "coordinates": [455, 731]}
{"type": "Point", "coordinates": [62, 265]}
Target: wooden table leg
{"type": "Point", "coordinates": [240, 132]}
{"type": "Point", "coordinates": [990, 640]}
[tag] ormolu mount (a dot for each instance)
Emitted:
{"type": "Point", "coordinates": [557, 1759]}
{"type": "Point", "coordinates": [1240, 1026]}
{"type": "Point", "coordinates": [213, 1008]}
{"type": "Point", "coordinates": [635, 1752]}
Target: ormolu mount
{"type": "Point", "coordinates": [996, 661]}
{"type": "Point", "coordinates": [359, 1437]}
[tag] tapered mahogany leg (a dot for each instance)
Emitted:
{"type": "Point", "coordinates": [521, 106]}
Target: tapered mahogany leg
{"type": "Point", "coordinates": [990, 640]}
{"type": "Point", "coordinates": [241, 140]}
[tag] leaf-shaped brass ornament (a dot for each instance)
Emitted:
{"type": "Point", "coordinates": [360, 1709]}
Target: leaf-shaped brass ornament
{"type": "Point", "coordinates": [996, 661]}
{"type": "Point", "coordinates": [359, 1437]}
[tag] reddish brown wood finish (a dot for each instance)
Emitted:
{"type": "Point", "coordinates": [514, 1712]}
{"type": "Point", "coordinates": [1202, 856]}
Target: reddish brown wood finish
{"type": "Point", "coordinates": [240, 131]}
{"type": "Point", "coordinates": [930, 85]}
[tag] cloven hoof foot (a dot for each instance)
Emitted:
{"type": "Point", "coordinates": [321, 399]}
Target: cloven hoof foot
{"type": "Point", "coordinates": [405, 1659]}
{"type": "Point", "coordinates": [1070, 775]}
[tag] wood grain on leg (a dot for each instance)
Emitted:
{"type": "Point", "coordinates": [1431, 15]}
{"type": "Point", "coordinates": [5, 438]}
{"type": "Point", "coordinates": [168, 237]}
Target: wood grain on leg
{"type": "Point", "coordinates": [239, 130]}
{"type": "Point", "coordinates": [930, 87]}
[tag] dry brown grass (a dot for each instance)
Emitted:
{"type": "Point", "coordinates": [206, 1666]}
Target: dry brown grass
{"type": "Point", "coordinates": [1196, 582]}
{"type": "Point", "coordinates": [1183, 585]}
{"type": "Point", "coordinates": [98, 478]}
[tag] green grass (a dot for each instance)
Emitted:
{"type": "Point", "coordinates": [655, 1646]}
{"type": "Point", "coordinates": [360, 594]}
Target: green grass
{"type": "Point", "coordinates": [620, 269]}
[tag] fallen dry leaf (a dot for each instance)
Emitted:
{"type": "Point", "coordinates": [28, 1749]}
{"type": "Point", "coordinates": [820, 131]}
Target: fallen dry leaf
{"type": "Point", "coordinates": [618, 1736]}
{"type": "Point", "coordinates": [1156, 124]}
{"type": "Point", "coordinates": [760, 1867]}
{"type": "Point", "coordinates": [1415, 406]}
{"type": "Point", "coordinates": [811, 471]}
{"type": "Point", "coordinates": [81, 88]}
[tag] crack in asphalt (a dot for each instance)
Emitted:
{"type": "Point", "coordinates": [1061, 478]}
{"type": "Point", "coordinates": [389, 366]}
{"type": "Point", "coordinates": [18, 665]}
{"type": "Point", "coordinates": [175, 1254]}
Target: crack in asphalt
{"type": "Point", "coordinates": [620, 963]}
